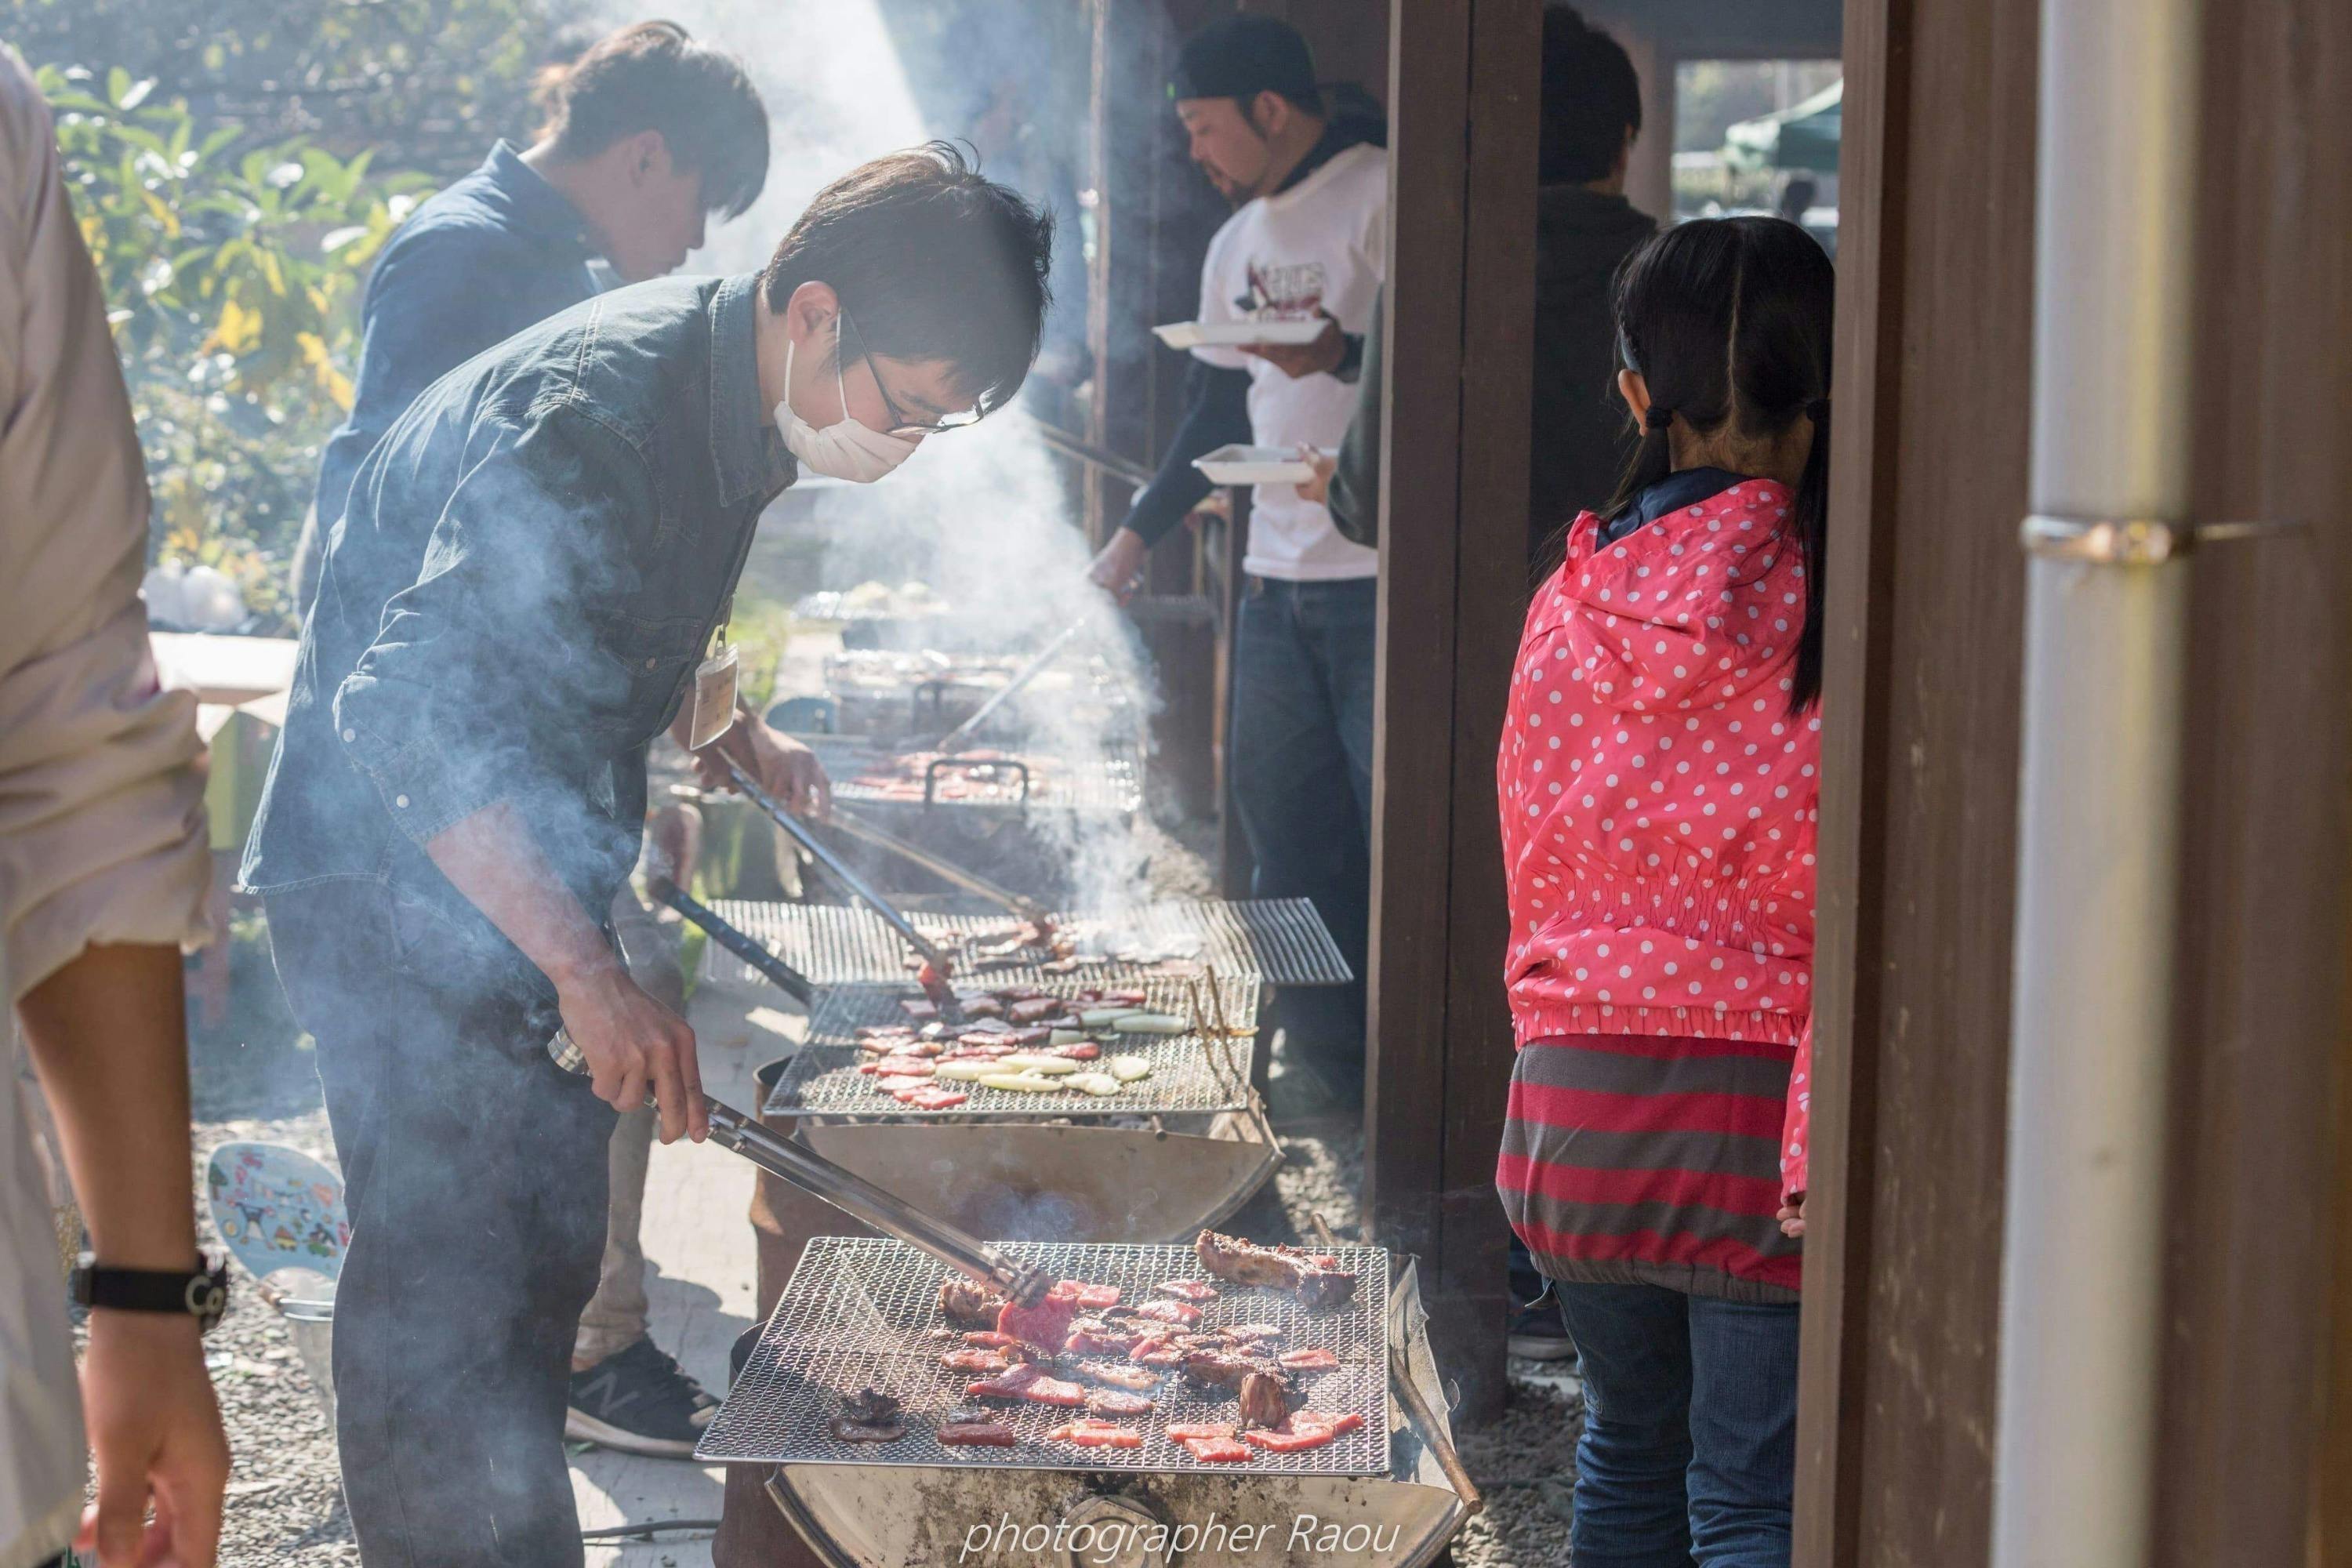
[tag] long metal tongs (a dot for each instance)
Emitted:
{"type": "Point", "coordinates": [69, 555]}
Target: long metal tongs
{"type": "Point", "coordinates": [850, 1193]}
{"type": "Point", "coordinates": [1027, 673]}
{"type": "Point", "coordinates": [791, 981]}
{"type": "Point", "coordinates": [938, 866]}
{"type": "Point", "coordinates": [856, 884]}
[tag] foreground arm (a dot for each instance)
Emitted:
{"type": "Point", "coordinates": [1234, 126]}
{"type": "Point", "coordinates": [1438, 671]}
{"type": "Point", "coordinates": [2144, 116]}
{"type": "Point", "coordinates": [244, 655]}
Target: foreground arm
{"type": "Point", "coordinates": [105, 1033]}
{"type": "Point", "coordinates": [632, 1042]}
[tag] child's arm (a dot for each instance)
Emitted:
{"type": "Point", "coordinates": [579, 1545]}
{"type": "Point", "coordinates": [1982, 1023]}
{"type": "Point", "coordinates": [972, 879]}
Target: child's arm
{"type": "Point", "coordinates": [1795, 1133]}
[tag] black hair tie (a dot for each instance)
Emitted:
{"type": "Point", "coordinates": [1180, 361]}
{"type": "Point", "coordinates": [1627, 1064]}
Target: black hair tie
{"type": "Point", "coordinates": [1658, 417]}
{"type": "Point", "coordinates": [1818, 410]}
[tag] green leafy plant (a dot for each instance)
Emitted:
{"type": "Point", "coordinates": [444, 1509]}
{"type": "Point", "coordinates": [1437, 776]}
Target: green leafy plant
{"type": "Point", "coordinates": [233, 276]}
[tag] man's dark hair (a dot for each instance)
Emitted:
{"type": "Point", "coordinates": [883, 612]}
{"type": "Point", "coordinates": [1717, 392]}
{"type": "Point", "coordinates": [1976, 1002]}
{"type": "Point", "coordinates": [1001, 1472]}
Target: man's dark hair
{"type": "Point", "coordinates": [933, 261]}
{"type": "Point", "coordinates": [1591, 99]}
{"type": "Point", "coordinates": [654, 77]}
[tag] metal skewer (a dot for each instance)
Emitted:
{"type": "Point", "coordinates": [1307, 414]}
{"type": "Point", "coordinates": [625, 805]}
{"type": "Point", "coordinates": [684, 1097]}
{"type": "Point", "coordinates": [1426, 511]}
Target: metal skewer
{"type": "Point", "coordinates": [856, 884]}
{"type": "Point", "coordinates": [1027, 673]}
{"type": "Point", "coordinates": [850, 1193]}
{"type": "Point", "coordinates": [791, 980]}
{"type": "Point", "coordinates": [945, 869]}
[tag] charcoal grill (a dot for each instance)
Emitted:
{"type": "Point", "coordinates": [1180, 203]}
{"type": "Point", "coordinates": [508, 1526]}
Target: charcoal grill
{"type": "Point", "coordinates": [880, 692]}
{"type": "Point", "coordinates": [858, 1313]}
{"type": "Point", "coordinates": [1280, 941]}
{"type": "Point", "coordinates": [1182, 1149]}
{"type": "Point", "coordinates": [1016, 828]}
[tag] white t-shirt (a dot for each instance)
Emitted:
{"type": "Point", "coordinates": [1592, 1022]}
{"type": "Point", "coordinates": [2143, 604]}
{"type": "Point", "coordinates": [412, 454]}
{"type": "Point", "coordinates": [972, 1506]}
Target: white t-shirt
{"type": "Point", "coordinates": [1320, 245]}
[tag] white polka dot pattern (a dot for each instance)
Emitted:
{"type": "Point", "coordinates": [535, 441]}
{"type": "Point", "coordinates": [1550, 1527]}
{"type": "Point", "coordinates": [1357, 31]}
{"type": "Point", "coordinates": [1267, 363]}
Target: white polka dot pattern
{"type": "Point", "coordinates": [1659, 802]}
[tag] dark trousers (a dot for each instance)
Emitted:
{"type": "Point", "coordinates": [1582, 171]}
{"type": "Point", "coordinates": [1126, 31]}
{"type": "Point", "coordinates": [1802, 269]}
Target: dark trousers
{"type": "Point", "coordinates": [1301, 756]}
{"type": "Point", "coordinates": [1689, 1449]}
{"type": "Point", "coordinates": [474, 1169]}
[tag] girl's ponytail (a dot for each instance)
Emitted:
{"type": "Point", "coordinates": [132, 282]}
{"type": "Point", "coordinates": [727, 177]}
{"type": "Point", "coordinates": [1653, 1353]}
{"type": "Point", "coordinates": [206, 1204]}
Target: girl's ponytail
{"type": "Point", "coordinates": [1811, 527]}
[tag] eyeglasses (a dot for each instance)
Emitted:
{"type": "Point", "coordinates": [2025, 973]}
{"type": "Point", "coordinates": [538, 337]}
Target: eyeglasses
{"type": "Point", "coordinates": [900, 424]}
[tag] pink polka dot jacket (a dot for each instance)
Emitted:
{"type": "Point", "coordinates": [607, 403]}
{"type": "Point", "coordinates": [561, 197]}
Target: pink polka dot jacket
{"type": "Point", "coordinates": [1659, 801]}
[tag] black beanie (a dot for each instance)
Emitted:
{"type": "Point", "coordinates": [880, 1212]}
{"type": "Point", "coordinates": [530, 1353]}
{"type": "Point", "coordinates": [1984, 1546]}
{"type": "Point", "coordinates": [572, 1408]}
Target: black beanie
{"type": "Point", "coordinates": [1241, 56]}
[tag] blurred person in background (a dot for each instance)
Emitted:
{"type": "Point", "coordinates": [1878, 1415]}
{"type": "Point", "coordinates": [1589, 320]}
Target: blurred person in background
{"type": "Point", "coordinates": [646, 134]}
{"type": "Point", "coordinates": [103, 874]}
{"type": "Point", "coordinates": [1309, 239]}
{"type": "Point", "coordinates": [531, 578]}
{"type": "Point", "coordinates": [1579, 442]}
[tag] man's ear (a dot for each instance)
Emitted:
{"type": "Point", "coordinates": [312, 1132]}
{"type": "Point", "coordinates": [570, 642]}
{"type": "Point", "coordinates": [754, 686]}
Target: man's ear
{"type": "Point", "coordinates": [648, 155]}
{"type": "Point", "coordinates": [811, 309]}
{"type": "Point", "coordinates": [1269, 112]}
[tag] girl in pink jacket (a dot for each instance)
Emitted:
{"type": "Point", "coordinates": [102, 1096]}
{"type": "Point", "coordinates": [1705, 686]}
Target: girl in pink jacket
{"type": "Point", "coordinates": [1658, 779]}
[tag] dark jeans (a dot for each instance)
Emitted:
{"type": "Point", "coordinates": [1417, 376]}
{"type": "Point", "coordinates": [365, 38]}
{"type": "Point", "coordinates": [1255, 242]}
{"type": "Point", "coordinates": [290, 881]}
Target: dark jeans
{"type": "Point", "coordinates": [1302, 771]}
{"type": "Point", "coordinates": [474, 1170]}
{"type": "Point", "coordinates": [1690, 1418]}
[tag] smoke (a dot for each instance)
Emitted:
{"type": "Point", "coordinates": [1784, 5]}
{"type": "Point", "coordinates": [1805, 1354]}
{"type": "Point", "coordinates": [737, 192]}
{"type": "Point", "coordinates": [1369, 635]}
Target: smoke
{"type": "Point", "coordinates": [985, 515]}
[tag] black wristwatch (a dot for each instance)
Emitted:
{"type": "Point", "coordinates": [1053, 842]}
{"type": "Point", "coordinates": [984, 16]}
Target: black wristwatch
{"type": "Point", "coordinates": [202, 1294]}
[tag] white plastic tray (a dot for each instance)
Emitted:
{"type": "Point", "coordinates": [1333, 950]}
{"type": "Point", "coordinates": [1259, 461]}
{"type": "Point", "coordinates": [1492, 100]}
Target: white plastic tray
{"type": "Point", "coordinates": [1233, 334]}
{"type": "Point", "coordinates": [1238, 465]}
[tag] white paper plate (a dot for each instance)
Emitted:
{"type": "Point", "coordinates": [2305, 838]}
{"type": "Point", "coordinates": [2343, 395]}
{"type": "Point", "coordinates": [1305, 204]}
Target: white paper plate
{"type": "Point", "coordinates": [1232, 334]}
{"type": "Point", "coordinates": [1238, 465]}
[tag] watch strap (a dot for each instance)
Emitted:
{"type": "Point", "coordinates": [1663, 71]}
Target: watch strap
{"type": "Point", "coordinates": [201, 1293]}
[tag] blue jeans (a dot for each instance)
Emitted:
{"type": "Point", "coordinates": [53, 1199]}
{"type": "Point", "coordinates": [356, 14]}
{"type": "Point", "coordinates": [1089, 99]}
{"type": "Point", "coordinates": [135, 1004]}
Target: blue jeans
{"type": "Point", "coordinates": [1689, 1450]}
{"type": "Point", "coordinates": [1302, 773]}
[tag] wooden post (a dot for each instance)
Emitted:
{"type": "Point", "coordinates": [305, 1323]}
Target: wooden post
{"type": "Point", "coordinates": [1926, 590]}
{"type": "Point", "coordinates": [1461, 291]}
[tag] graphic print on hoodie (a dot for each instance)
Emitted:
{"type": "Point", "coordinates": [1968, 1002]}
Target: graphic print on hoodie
{"type": "Point", "coordinates": [1658, 799]}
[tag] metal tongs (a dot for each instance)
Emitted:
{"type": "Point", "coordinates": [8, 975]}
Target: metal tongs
{"type": "Point", "coordinates": [793, 982]}
{"type": "Point", "coordinates": [1027, 673]}
{"type": "Point", "coordinates": [936, 986]}
{"type": "Point", "coordinates": [852, 1193]}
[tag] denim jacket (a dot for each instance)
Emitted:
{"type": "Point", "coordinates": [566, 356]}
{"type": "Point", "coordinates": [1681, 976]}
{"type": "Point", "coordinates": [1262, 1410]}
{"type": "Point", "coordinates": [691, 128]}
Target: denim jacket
{"type": "Point", "coordinates": [532, 562]}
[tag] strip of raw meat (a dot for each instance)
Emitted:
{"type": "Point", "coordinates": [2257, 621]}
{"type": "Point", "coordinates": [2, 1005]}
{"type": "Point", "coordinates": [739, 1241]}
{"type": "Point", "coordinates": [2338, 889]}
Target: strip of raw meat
{"type": "Point", "coordinates": [1332, 1421]}
{"type": "Point", "coordinates": [1054, 1391]}
{"type": "Point", "coordinates": [1216, 1450]}
{"type": "Point", "coordinates": [1096, 1298]}
{"type": "Point", "coordinates": [1079, 1051]}
{"type": "Point", "coordinates": [927, 1096]}
{"type": "Point", "coordinates": [1315, 1358]}
{"type": "Point", "coordinates": [1013, 1383]}
{"type": "Point", "coordinates": [974, 1359]}
{"type": "Point", "coordinates": [1047, 1323]}
{"type": "Point", "coordinates": [990, 1337]}
{"type": "Point", "coordinates": [1193, 1290]}
{"type": "Point", "coordinates": [1279, 1442]}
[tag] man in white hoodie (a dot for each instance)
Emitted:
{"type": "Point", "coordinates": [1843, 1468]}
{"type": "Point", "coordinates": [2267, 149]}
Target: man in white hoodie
{"type": "Point", "coordinates": [103, 873]}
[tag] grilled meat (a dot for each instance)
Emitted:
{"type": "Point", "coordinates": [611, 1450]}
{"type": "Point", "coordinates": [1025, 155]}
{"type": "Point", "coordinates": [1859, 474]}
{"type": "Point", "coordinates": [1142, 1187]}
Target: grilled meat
{"type": "Point", "coordinates": [1315, 1358]}
{"type": "Point", "coordinates": [869, 1415]}
{"type": "Point", "coordinates": [1115, 1402]}
{"type": "Point", "coordinates": [1193, 1290]}
{"type": "Point", "coordinates": [1118, 1374]}
{"type": "Point", "coordinates": [1277, 1268]}
{"type": "Point", "coordinates": [1215, 1367]}
{"type": "Point", "coordinates": [977, 1428]}
{"type": "Point", "coordinates": [1088, 1433]}
{"type": "Point", "coordinates": [969, 1303]}
{"type": "Point", "coordinates": [1182, 1314]}
{"type": "Point", "coordinates": [1264, 1399]}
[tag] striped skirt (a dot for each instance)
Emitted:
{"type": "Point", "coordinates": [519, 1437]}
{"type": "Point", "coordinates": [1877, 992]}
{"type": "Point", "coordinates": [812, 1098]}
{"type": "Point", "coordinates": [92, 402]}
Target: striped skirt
{"type": "Point", "coordinates": [1650, 1160]}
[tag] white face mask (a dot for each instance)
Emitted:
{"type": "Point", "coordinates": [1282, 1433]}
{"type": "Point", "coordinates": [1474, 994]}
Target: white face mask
{"type": "Point", "coordinates": [849, 450]}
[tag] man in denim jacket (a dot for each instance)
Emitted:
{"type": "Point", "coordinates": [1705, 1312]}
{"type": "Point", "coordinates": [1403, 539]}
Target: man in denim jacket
{"type": "Point", "coordinates": [531, 564]}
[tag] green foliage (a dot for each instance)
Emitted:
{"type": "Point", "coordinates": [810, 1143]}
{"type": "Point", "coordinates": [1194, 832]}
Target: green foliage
{"type": "Point", "coordinates": [234, 277]}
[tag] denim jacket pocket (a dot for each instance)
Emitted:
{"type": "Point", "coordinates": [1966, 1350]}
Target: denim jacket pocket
{"type": "Point", "coordinates": [650, 659]}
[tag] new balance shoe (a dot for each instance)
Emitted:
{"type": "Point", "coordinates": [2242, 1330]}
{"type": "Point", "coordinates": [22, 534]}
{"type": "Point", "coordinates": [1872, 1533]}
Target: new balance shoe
{"type": "Point", "coordinates": [640, 1402]}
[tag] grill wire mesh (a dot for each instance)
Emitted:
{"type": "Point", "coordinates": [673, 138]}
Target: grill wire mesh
{"type": "Point", "coordinates": [1280, 941]}
{"type": "Point", "coordinates": [1187, 1075]}
{"type": "Point", "coordinates": [1111, 783]}
{"type": "Point", "coordinates": [858, 1313]}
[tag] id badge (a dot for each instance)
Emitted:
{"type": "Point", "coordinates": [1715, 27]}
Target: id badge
{"type": "Point", "coordinates": [714, 699]}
